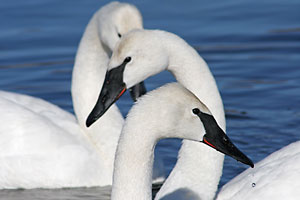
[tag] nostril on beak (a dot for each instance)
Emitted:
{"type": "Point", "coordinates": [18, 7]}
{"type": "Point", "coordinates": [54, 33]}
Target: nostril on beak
{"type": "Point", "coordinates": [104, 98]}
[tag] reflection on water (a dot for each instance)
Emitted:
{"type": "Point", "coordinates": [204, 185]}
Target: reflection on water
{"type": "Point", "coordinates": [252, 50]}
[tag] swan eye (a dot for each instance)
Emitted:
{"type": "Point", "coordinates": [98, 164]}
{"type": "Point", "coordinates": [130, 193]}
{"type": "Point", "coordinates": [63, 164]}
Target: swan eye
{"type": "Point", "coordinates": [127, 59]}
{"type": "Point", "coordinates": [119, 35]}
{"type": "Point", "coordinates": [196, 111]}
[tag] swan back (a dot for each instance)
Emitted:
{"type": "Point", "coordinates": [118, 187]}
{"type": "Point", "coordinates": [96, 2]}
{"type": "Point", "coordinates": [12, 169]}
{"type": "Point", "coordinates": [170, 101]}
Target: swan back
{"type": "Point", "coordinates": [275, 177]}
{"type": "Point", "coordinates": [42, 146]}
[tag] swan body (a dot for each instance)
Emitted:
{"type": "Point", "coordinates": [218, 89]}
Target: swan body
{"type": "Point", "coordinates": [43, 146]}
{"type": "Point", "coordinates": [275, 177]}
{"type": "Point", "coordinates": [143, 53]}
{"type": "Point", "coordinates": [170, 111]}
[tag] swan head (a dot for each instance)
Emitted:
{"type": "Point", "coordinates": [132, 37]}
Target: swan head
{"type": "Point", "coordinates": [134, 59]}
{"type": "Point", "coordinates": [115, 20]}
{"type": "Point", "coordinates": [138, 56]}
{"type": "Point", "coordinates": [217, 139]}
{"type": "Point", "coordinates": [173, 111]}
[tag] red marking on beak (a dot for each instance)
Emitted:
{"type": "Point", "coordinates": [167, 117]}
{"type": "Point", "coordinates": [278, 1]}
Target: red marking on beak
{"type": "Point", "coordinates": [206, 142]}
{"type": "Point", "coordinates": [122, 92]}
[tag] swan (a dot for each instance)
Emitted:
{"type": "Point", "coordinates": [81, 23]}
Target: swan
{"type": "Point", "coordinates": [143, 53]}
{"type": "Point", "coordinates": [43, 146]}
{"type": "Point", "coordinates": [102, 33]}
{"type": "Point", "coordinates": [167, 112]}
{"type": "Point", "coordinates": [275, 177]}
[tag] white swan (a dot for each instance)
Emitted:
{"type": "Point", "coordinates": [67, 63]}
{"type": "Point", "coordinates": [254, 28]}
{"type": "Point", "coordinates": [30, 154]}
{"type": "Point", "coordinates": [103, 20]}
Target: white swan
{"type": "Point", "coordinates": [143, 53]}
{"type": "Point", "coordinates": [170, 111]}
{"type": "Point", "coordinates": [42, 146]}
{"type": "Point", "coordinates": [101, 35]}
{"type": "Point", "coordinates": [275, 177]}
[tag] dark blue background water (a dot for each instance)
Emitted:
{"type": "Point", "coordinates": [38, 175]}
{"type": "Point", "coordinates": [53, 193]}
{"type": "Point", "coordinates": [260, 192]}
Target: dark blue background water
{"type": "Point", "coordinates": [252, 48]}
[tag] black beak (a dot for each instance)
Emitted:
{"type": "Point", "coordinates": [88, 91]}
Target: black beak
{"type": "Point", "coordinates": [137, 91]}
{"type": "Point", "coordinates": [217, 139]}
{"type": "Point", "coordinates": [112, 89]}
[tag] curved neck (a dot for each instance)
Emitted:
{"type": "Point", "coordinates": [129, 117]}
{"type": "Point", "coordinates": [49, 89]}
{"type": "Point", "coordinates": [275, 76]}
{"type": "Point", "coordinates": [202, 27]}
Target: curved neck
{"type": "Point", "coordinates": [132, 177]}
{"type": "Point", "coordinates": [199, 168]}
{"type": "Point", "coordinates": [87, 79]}
{"type": "Point", "coordinates": [192, 72]}
{"type": "Point", "coordinates": [89, 68]}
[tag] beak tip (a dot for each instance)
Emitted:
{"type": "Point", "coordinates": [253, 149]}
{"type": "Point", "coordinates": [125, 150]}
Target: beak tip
{"type": "Point", "coordinates": [96, 113]}
{"type": "Point", "coordinates": [247, 161]}
{"type": "Point", "coordinates": [88, 122]}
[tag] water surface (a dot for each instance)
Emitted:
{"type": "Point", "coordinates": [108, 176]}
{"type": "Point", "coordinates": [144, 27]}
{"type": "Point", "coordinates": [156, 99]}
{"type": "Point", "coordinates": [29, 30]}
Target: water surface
{"type": "Point", "coordinates": [252, 48]}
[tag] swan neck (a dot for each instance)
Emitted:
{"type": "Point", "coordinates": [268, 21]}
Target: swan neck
{"type": "Point", "coordinates": [193, 73]}
{"type": "Point", "coordinates": [89, 68]}
{"type": "Point", "coordinates": [133, 166]}
{"type": "Point", "coordinates": [87, 78]}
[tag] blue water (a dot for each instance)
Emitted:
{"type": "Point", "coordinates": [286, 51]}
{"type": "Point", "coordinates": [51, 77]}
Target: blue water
{"type": "Point", "coordinates": [251, 46]}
